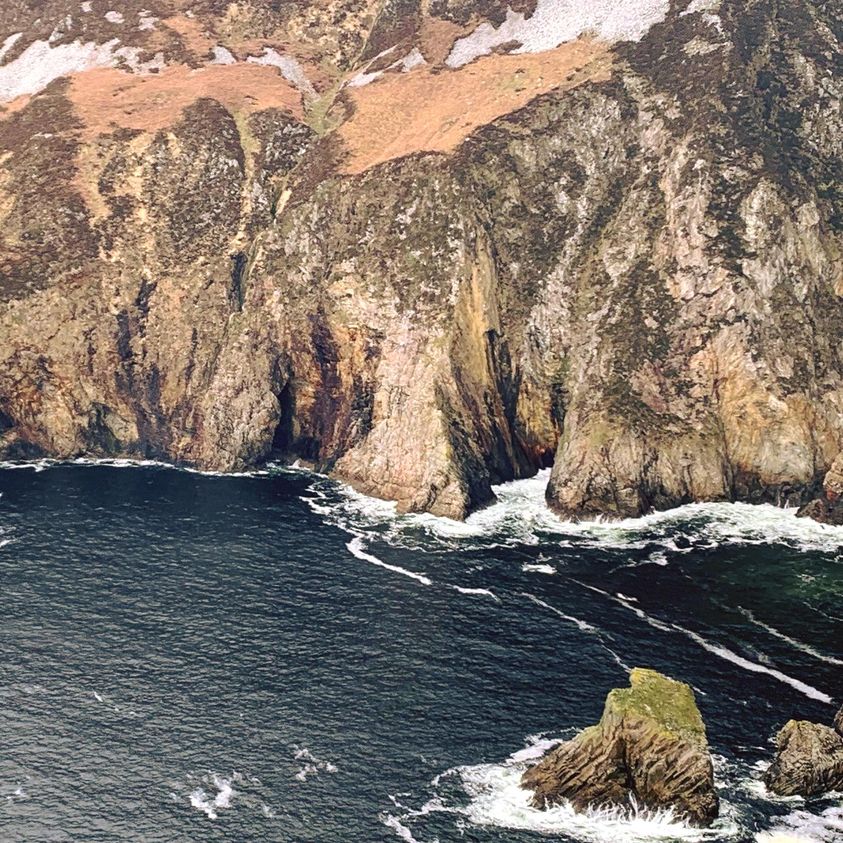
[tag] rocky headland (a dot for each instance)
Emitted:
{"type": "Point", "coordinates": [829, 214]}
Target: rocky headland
{"type": "Point", "coordinates": [649, 750]}
{"type": "Point", "coordinates": [430, 247]}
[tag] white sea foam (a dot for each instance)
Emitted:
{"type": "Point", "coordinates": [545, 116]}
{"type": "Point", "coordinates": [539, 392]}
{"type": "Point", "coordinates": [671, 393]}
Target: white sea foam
{"type": "Point", "coordinates": [556, 21]}
{"type": "Point", "coordinates": [538, 568]}
{"type": "Point", "coordinates": [479, 592]}
{"type": "Point", "coordinates": [496, 799]}
{"type": "Point", "coordinates": [304, 772]}
{"type": "Point", "coordinates": [520, 516]}
{"type": "Point", "coordinates": [126, 462]}
{"type": "Point", "coordinates": [805, 827]}
{"type": "Point", "coordinates": [211, 804]}
{"type": "Point", "coordinates": [717, 649]}
{"type": "Point", "coordinates": [313, 765]}
{"type": "Point", "coordinates": [17, 795]}
{"type": "Point", "coordinates": [585, 627]}
{"type": "Point", "coordinates": [799, 645]}
{"type": "Point", "coordinates": [357, 548]}
{"type": "Point", "coordinates": [398, 827]}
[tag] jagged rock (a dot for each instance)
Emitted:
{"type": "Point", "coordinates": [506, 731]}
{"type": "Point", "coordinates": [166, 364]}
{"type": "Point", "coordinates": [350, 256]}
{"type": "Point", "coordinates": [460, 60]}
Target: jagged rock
{"type": "Point", "coordinates": [828, 509]}
{"type": "Point", "coordinates": [838, 722]}
{"type": "Point", "coordinates": [824, 511]}
{"type": "Point", "coordinates": [649, 747]}
{"type": "Point", "coordinates": [809, 760]}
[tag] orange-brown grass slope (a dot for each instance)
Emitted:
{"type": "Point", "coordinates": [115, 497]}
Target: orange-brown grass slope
{"type": "Point", "coordinates": [110, 99]}
{"type": "Point", "coordinates": [434, 111]}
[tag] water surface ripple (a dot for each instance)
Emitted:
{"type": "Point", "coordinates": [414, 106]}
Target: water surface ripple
{"type": "Point", "coordinates": [276, 658]}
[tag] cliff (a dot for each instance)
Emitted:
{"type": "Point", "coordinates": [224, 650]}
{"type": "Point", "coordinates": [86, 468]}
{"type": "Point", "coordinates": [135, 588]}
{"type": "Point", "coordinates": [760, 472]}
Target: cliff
{"type": "Point", "coordinates": [429, 247]}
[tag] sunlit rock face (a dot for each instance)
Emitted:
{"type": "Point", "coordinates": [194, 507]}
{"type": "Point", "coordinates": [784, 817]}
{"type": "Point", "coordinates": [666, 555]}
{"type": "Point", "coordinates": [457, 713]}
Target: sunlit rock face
{"type": "Point", "coordinates": [429, 247]}
{"type": "Point", "coordinates": [649, 750]}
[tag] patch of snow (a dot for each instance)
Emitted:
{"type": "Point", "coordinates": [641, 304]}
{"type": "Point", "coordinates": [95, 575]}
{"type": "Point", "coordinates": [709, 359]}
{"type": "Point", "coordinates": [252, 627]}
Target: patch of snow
{"type": "Point", "coordinates": [556, 21]}
{"type": "Point", "coordinates": [363, 79]}
{"type": "Point", "coordinates": [413, 59]}
{"type": "Point", "coordinates": [9, 43]}
{"type": "Point", "coordinates": [146, 21]}
{"type": "Point", "coordinates": [290, 69]}
{"type": "Point", "coordinates": [87, 7]}
{"type": "Point", "coordinates": [41, 63]}
{"type": "Point", "coordinates": [222, 55]}
{"type": "Point", "coordinates": [114, 17]}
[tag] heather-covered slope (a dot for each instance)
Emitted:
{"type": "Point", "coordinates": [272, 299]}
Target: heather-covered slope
{"type": "Point", "coordinates": [344, 234]}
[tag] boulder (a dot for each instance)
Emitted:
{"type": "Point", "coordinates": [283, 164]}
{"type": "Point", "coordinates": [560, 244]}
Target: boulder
{"type": "Point", "coordinates": [823, 510]}
{"type": "Point", "coordinates": [828, 509]}
{"type": "Point", "coordinates": [649, 749]}
{"type": "Point", "coordinates": [809, 759]}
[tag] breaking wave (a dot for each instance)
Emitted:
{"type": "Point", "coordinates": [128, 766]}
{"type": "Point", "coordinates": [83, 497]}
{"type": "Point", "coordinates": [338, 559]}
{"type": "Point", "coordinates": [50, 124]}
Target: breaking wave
{"type": "Point", "coordinates": [520, 516]}
{"type": "Point", "coordinates": [490, 795]}
{"type": "Point", "coordinates": [804, 827]}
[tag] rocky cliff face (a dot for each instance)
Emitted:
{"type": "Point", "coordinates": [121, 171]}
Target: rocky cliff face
{"type": "Point", "coordinates": [430, 247]}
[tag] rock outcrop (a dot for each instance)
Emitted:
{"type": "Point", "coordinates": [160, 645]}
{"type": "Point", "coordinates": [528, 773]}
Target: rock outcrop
{"type": "Point", "coordinates": [649, 748]}
{"type": "Point", "coordinates": [828, 508]}
{"type": "Point", "coordinates": [427, 255]}
{"type": "Point", "coordinates": [809, 759]}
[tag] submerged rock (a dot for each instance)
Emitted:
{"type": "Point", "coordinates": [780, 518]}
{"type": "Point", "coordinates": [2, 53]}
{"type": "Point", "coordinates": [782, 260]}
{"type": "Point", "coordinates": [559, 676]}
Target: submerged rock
{"type": "Point", "coordinates": [809, 759]}
{"type": "Point", "coordinates": [649, 748]}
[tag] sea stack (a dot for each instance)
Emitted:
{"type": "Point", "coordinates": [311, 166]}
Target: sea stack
{"type": "Point", "coordinates": [649, 749]}
{"type": "Point", "coordinates": [809, 759]}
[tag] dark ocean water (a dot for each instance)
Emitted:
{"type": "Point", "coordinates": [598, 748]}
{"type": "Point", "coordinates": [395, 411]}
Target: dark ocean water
{"type": "Point", "coordinates": [274, 658]}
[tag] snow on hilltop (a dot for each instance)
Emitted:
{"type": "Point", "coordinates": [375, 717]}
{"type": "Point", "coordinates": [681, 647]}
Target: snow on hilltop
{"type": "Point", "coordinates": [556, 21]}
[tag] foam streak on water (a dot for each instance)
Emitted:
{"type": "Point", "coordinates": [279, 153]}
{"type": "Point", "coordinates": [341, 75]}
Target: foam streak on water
{"type": "Point", "coordinates": [357, 548]}
{"type": "Point", "coordinates": [717, 649]}
{"type": "Point", "coordinates": [799, 645]}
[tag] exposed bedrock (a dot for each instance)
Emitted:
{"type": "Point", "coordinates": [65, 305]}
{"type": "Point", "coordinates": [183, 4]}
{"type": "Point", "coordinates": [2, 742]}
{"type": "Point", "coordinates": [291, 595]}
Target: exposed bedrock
{"type": "Point", "coordinates": [809, 759]}
{"type": "Point", "coordinates": [648, 750]}
{"type": "Point", "coordinates": [637, 278]}
{"type": "Point", "coordinates": [828, 507]}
